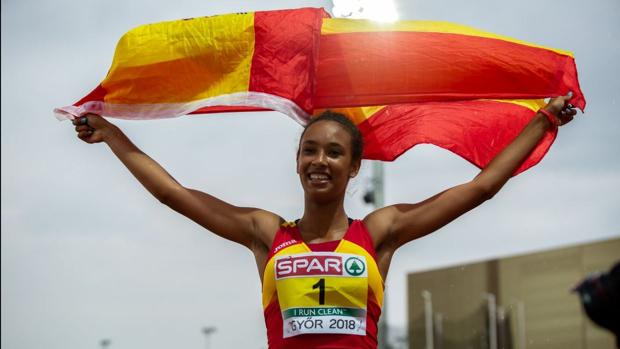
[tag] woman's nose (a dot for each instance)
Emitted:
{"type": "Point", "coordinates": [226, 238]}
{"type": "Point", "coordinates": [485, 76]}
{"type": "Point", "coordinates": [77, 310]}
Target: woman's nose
{"type": "Point", "coordinates": [320, 158]}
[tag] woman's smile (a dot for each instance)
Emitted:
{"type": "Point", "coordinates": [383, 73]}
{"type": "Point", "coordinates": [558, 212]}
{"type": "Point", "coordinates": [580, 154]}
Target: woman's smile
{"type": "Point", "coordinates": [319, 178]}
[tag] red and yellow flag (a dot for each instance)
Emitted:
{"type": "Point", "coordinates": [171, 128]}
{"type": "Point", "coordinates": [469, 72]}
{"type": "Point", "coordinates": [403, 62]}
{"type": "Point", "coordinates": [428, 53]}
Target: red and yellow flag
{"type": "Point", "coordinates": [403, 83]}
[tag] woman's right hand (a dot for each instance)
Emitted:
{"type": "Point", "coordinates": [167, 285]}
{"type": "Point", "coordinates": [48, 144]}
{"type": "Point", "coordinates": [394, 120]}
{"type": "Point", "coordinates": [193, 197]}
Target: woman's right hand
{"type": "Point", "coordinates": [92, 128]}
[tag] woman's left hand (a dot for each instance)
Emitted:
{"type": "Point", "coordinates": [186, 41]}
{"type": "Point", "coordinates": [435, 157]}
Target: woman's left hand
{"type": "Point", "coordinates": [561, 109]}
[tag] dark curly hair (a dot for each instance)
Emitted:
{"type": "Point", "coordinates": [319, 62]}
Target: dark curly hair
{"type": "Point", "coordinates": [357, 142]}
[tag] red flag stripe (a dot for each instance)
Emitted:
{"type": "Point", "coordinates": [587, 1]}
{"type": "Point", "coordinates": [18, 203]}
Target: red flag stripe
{"type": "Point", "coordinates": [474, 130]}
{"type": "Point", "coordinates": [285, 54]}
{"type": "Point", "coordinates": [361, 69]}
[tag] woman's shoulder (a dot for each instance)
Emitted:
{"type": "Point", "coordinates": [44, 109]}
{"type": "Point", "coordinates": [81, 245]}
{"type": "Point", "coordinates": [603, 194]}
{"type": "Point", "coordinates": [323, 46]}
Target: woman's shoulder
{"type": "Point", "coordinates": [267, 225]}
{"type": "Point", "coordinates": [378, 224]}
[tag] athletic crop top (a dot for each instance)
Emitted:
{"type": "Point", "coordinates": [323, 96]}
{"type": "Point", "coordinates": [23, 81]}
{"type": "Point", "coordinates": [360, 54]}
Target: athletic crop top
{"type": "Point", "coordinates": [325, 295]}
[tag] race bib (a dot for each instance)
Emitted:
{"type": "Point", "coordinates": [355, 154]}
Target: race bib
{"type": "Point", "coordinates": [322, 292]}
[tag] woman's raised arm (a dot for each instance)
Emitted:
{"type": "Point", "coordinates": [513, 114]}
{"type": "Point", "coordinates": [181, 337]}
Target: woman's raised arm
{"type": "Point", "coordinates": [247, 226]}
{"type": "Point", "coordinates": [398, 224]}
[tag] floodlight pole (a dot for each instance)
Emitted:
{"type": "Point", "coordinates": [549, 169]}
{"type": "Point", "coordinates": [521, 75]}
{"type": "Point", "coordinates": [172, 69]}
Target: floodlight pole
{"type": "Point", "coordinates": [377, 183]}
{"type": "Point", "coordinates": [105, 343]}
{"type": "Point", "coordinates": [492, 316]}
{"type": "Point", "coordinates": [429, 330]}
{"type": "Point", "coordinates": [521, 333]}
{"type": "Point", "coordinates": [208, 331]}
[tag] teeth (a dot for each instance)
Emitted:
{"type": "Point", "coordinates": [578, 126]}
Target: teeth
{"type": "Point", "coordinates": [316, 176]}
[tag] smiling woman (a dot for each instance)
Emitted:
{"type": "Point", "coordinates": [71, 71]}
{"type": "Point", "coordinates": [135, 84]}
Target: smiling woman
{"type": "Point", "coordinates": [323, 274]}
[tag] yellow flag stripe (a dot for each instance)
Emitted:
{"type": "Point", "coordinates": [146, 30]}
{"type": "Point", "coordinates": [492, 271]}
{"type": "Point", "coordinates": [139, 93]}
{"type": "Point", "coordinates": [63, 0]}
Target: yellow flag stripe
{"type": "Point", "coordinates": [340, 25]}
{"type": "Point", "coordinates": [218, 58]}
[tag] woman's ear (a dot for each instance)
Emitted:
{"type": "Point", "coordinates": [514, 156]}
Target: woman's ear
{"type": "Point", "coordinates": [355, 169]}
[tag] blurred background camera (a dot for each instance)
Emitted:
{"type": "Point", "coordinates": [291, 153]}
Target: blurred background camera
{"type": "Point", "coordinates": [600, 297]}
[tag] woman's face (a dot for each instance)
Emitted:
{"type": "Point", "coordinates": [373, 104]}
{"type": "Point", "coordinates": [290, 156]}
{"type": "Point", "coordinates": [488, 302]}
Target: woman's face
{"type": "Point", "coordinates": [324, 161]}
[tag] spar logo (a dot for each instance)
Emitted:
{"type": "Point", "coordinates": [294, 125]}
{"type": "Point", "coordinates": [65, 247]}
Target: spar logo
{"type": "Point", "coordinates": [320, 264]}
{"type": "Point", "coordinates": [354, 266]}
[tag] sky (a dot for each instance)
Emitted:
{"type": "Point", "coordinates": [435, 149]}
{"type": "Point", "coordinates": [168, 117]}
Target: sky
{"type": "Point", "coordinates": [87, 254]}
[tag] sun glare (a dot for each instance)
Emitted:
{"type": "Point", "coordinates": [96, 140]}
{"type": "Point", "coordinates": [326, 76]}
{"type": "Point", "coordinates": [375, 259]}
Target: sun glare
{"type": "Point", "coordinates": [376, 10]}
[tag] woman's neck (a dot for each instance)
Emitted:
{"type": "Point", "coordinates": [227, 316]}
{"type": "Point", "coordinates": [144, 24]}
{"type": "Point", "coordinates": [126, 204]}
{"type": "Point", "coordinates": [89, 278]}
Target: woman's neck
{"type": "Point", "coordinates": [323, 222]}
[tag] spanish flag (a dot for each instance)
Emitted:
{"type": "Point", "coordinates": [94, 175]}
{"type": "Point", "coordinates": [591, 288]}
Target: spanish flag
{"type": "Point", "coordinates": [403, 83]}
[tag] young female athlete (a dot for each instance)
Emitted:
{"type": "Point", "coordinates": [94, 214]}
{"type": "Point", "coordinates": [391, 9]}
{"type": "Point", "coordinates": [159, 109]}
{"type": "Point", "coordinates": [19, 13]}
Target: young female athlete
{"type": "Point", "coordinates": [323, 274]}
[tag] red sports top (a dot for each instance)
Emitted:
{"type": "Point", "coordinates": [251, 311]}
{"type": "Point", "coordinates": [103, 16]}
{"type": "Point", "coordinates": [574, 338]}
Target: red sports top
{"type": "Point", "coordinates": [325, 295]}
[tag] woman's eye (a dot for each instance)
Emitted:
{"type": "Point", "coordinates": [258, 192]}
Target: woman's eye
{"type": "Point", "coordinates": [334, 153]}
{"type": "Point", "coordinates": [307, 151]}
